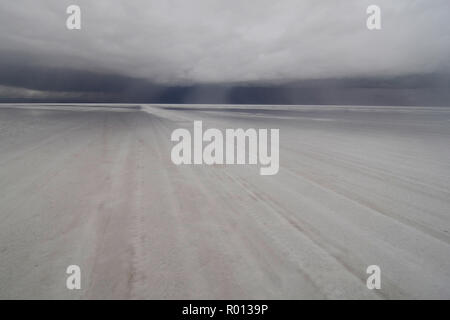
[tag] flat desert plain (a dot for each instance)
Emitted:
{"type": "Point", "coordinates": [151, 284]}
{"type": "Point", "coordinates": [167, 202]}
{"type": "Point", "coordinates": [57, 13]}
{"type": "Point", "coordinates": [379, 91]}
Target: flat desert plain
{"type": "Point", "coordinates": [93, 185]}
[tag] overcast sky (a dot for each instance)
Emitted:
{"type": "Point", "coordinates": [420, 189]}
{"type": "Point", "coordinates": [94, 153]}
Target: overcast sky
{"type": "Point", "coordinates": [207, 41]}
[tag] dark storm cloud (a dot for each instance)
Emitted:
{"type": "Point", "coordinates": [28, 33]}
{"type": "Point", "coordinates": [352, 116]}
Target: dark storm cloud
{"type": "Point", "coordinates": [69, 85]}
{"type": "Point", "coordinates": [215, 50]}
{"type": "Point", "coordinates": [62, 79]}
{"type": "Point", "coordinates": [221, 40]}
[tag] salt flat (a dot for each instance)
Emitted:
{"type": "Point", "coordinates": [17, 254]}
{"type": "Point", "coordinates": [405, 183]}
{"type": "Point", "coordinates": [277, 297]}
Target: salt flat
{"type": "Point", "coordinates": [94, 185]}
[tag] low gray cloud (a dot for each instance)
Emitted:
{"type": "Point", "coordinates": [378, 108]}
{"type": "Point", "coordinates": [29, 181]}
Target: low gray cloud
{"type": "Point", "coordinates": [223, 41]}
